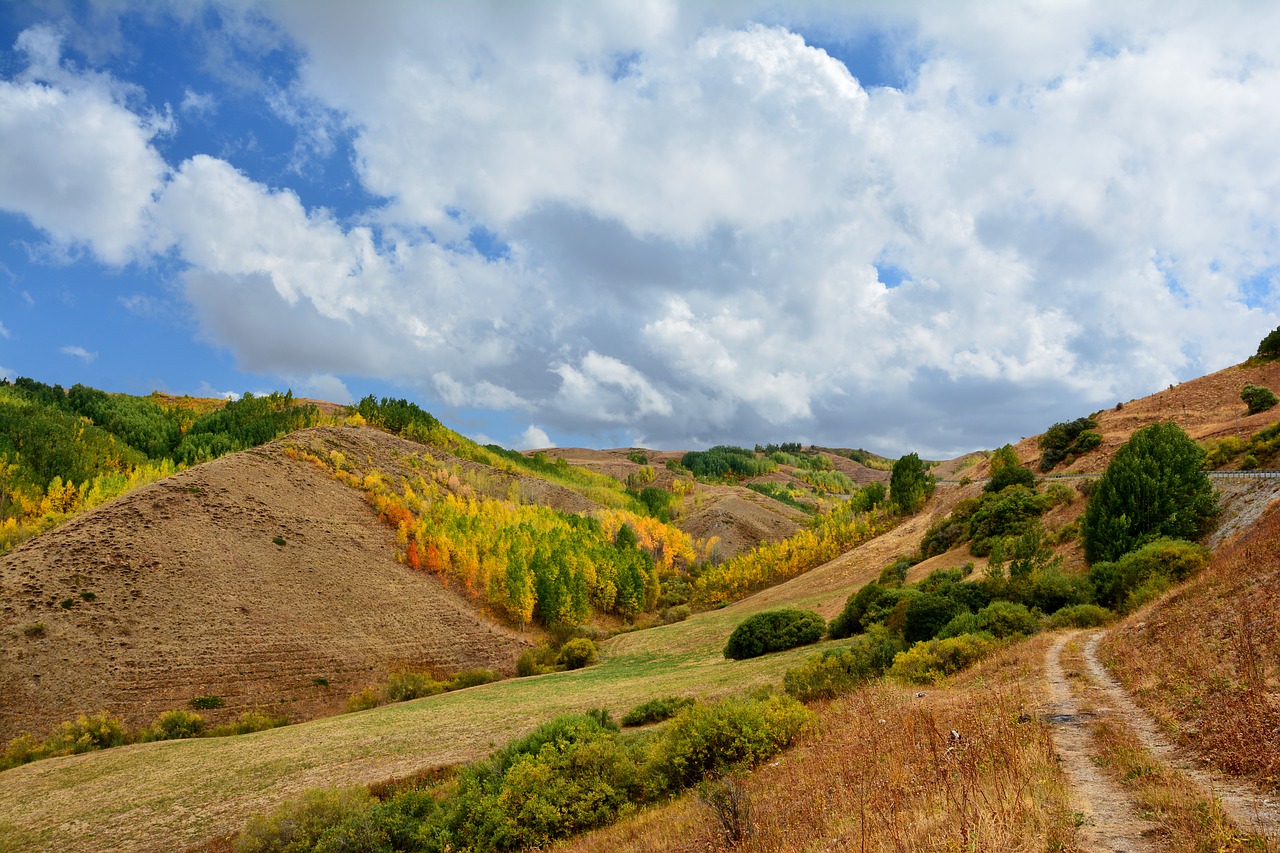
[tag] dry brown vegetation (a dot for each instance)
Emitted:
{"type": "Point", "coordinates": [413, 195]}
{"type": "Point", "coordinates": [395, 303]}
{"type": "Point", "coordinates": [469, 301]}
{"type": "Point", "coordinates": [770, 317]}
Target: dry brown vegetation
{"type": "Point", "coordinates": [1206, 660]}
{"type": "Point", "coordinates": [964, 768]}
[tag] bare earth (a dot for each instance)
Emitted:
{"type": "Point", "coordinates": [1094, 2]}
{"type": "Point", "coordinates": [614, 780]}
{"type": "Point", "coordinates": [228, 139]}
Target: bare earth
{"type": "Point", "coordinates": [190, 596]}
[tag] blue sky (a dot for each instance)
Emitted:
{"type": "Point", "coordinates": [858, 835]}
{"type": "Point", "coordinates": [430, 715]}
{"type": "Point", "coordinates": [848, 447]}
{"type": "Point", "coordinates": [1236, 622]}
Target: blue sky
{"type": "Point", "coordinates": [931, 227]}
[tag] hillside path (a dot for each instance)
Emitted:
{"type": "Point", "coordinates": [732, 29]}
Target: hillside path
{"type": "Point", "coordinates": [1250, 809]}
{"type": "Point", "coordinates": [1111, 823]}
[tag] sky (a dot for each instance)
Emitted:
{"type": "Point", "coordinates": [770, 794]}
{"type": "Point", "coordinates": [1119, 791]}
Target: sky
{"type": "Point", "coordinates": [931, 227]}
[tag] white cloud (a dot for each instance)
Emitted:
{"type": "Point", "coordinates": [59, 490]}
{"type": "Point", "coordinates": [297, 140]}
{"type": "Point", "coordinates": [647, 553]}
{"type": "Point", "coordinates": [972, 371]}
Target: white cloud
{"type": "Point", "coordinates": [78, 163]}
{"type": "Point", "coordinates": [79, 352]}
{"type": "Point", "coordinates": [4, 333]}
{"type": "Point", "coordinates": [326, 387]}
{"type": "Point", "coordinates": [534, 438]}
{"type": "Point", "coordinates": [694, 205]}
{"type": "Point", "coordinates": [206, 390]}
{"type": "Point", "coordinates": [198, 103]}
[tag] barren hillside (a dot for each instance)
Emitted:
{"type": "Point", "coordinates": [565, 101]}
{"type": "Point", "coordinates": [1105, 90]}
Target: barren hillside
{"type": "Point", "coordinates": [181, 589]}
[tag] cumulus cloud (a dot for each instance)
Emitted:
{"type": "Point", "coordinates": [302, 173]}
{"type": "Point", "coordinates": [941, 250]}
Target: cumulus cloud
{"type": "Point", "coordinates": [79, 352]}
{"type": "Point", "coordinates": [698, 227]}
{"type": "Point", "coordinates": [534, 438]}
{"type": "Point", "coordinates": [78, 162]}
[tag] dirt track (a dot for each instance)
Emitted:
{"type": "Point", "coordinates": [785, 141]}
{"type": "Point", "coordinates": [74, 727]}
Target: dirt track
{"type": "Point", "coordinates": [1112, 821]}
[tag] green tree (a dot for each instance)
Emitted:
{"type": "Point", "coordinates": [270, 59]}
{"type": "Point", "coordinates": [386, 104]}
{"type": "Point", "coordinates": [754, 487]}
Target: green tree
{"type": "Point", "coordinates": [1153, 487]}
{"type": "Point", "coordinates": [1270, 345]}
{"type": "Point", "coordinates": [910, 484]}
{"type": "Point", "coordinates": [1258, 398]}
{"type": "Point", "coordinates": [1007, 471]}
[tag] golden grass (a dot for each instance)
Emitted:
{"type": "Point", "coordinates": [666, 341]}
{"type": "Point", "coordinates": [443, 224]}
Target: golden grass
{"type": "Point", "coordinates": [885, 773]}
{"type": "Point", "coordinates": [153, 796]}
{"type": "Point", "coordinates": [1206, 660]}
{"type": "Point", "coordinates": [1182, 818]}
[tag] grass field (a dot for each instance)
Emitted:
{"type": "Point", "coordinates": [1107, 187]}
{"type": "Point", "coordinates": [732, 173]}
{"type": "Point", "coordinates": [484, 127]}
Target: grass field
{"type": "Point", "coordinates": [161, 795]}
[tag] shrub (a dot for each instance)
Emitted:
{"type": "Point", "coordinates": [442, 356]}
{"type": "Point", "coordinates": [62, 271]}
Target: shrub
{"type": "Point", "coordinates": [471, 678]}
{"type": "Point", "coordinates": [705, 740]}
{"type": "Point", "coordinates": [1148, 571]}
{"type": "Point", "coordinates": [22, 749]}
{"type": "Point", "coordinates": [34, 631]}
{"type": "Point", "coordinates": [1068, 439]}
{"type": "Point", "coordinates": [678, 613]}
{"type": "Point", "coordinates": [1012, 512]}
{"type": "Point", "coordinates": [174, 725]}
{"type": "Point", "coordinates": [774, 631]}
{"type": "Point", "coordinates": [833, 672]}
{"type": "Point", "coordinates": [247, 723]}
{"type": "Point", "coordinates": [403, 686]}
{"type": "Point", "coordinates": [1153, 487]}
{"type": "Point", "coordinates": [364, 700]}
{"type": "Point", "coordinates": [206, 703]}
{"type": "Point", "coordinates": [1006, 619]}
{"type": "Point", "coordinates": [1007, 471]}
{"type": "Point", "coordinates": [926, 614]}
{"type": "Point", "coordinates": [86, 734]}
{"type": "Point", "coordinates": [930, 662]}
{"type": "Point", "coordinates": [870, 605]}
{"type": "Point", "coordinates": [536, 661]}
{"type": "Point", "coordinates": [577, 653]}
{"type": "Point", "coordinates": [655, 710]}
{"type": "Point", "coordinates": [300, 825]}
{"type": "Point", "coordinates": [1081, 616]}
{"type": "Point", "coordinates": [1258, 398]}
{"type": "Point", "coordinates": [1050, 590]}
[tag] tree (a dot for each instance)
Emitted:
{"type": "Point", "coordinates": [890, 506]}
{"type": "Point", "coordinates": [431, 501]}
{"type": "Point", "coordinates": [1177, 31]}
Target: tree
{"type": "Point", "coordinates": [1258, 398]}
{"type": "Point", "coordinates": [1153, 487]}
{"type": "Point", "coordinates": [1270, 345]}
{"type": "Point", "coordinates": [1007, 471]}
{"type": "Point", "coordinates": [910, 484]}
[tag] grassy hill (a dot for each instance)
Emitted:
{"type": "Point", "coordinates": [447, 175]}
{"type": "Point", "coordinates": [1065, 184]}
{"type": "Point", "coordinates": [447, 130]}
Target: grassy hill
{"type": "Point", "coordinates": [884, 759]}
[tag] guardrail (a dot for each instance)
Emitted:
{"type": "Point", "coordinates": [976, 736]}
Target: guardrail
{"type": "Point", "coordinates": [1257, 474]}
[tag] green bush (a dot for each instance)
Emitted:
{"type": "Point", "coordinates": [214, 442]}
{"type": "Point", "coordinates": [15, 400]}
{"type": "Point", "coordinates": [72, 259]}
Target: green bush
{"type": "Point", "coordinates": [465, 678]}
{"type": "Point", "coordinates": [833, 672]}
{"type": "Point", "coordinates": [705, 740]}
{"type": "Point", "coordinates": [174, 725]}
{"type": "Point", "coordinates": [774, 631]}
{"type": "Point", "coordinates": [677, 613]}
{"type": "Point", "coordinates": [299, 825]}
{"type": "Point", "coordinates": [1003, 619]}
{"type": "Point", "coordinates": [1067, 440]}
{"type": "Point", "coordinates": [926, 614]}
{"type": "Point", "coordinates": [364, 700]}
{"type": "Point", "coordinates": [1154, 487]}
{"type": "Point", "coordinates": [247, 723]}
{"type": "Point", "coordinates": [930, 662]}
{"type": "Point", "coordinates": [206, 703]}
{"type": "Point", "coordinates": [536, 661]}
{"type": "Point", "coordinates": [1258, 398]}
{"type": "Point", "coordinates": [655, 710]}
{"type": "Point", "coordinates": [1135, 578]}
{"type": "Point", "coordinates": [403, 686]}
{"type": "Point", "coordinates": [88, 732]}
{"type": "Point", "coordinates": [1081, 616]}
{"type": "Point", "coordinates": [577, 653]}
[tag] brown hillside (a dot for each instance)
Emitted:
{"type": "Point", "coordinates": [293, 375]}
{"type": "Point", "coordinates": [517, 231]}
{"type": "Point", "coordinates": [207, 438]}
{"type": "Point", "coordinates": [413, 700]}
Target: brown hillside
{"type": "Point", "coordinates": [177, 590]}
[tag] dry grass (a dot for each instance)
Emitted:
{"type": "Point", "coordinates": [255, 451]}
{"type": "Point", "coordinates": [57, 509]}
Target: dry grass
{"type": "Point", "coordinates": [886, 773]}
{"type": "Point", "coordinates": [1206, 660]}
{"type": "Point", "coordinates": [1181, 817]}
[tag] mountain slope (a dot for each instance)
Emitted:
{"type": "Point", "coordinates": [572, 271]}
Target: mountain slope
{"type": "Point", "coordinates": [180, 590]}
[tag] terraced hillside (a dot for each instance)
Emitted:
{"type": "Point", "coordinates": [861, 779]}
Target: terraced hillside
{"type": "Point", "coordinates": [255, 578]}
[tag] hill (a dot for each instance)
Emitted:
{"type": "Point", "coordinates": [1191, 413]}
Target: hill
{"type": "Point", "coordinates": [179, 590]}
{"type": "Point", "coordinates": [182, 792]}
